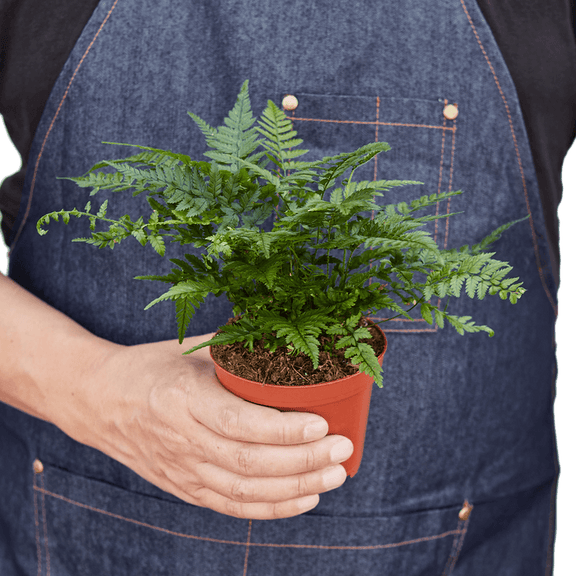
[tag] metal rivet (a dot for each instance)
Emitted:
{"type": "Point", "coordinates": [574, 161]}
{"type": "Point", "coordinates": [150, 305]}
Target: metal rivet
{"type": "Point", "coordinates": [464, 514]}
{"type": "Point", "coordinates": [290, 102]}
{"type": "Point", "coordinates": [38, 466]}
{"type": "Point", "coordinates": [451, 111]}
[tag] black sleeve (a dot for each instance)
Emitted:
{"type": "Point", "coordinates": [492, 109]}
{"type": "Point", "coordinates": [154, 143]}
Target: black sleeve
{"type": "Point", "coordinates": [36, 37]}
{"type": "Point", "coordinates": [538, 41]}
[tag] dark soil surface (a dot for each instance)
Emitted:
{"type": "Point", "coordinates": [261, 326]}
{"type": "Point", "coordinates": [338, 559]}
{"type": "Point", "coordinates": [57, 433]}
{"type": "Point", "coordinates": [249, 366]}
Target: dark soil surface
{"type": "Point", "coordinates": [286, 369]}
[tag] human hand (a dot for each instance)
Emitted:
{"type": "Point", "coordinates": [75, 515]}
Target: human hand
{"type": "Point", "coordinates": [166, 416]}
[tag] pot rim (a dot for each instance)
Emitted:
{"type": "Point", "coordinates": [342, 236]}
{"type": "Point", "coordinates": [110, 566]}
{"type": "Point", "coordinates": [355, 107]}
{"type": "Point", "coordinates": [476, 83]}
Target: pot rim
{"type": "Point", "coordinates": [357, 379]}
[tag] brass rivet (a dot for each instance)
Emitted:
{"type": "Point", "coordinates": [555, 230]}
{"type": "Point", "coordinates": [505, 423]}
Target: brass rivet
{"type": "Point", "coordinates": [290, 102]}
{"type": "Point", "coordinates": [38, 466]}
{"type": "Point", "coordinates": [451, 111]}
{"type": "Point", "coordinates": [464, 514]}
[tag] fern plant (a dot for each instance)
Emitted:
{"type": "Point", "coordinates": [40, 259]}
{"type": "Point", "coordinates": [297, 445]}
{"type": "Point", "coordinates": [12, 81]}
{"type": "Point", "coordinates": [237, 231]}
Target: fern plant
{"type": "Point", "coordinates": [299, 247]}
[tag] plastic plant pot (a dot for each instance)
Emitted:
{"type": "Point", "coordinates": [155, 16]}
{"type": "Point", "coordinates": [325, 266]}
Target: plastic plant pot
{"type": "Point", "coordinates": [343, 403]}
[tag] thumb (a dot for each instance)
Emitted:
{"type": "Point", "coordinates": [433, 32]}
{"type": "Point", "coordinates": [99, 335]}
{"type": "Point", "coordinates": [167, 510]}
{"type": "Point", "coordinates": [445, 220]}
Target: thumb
{"type": "Point", "coordinates": [235, 418]}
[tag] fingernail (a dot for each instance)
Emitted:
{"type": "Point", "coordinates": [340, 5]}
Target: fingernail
{"type": "Point", "coordinates": [315, 430]}
{"type": "Point", "coordinates": [341, 451]}
{"type": "Point", "coordinates": [308, 502]}
{"type": "Point", "coordinates": [334, 477]}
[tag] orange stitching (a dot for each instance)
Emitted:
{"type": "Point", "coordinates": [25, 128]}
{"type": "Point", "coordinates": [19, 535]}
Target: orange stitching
{"type": "Point", "coordinates": [551, 523]}
{"type": "Point", "coordinates": [376, 137]}
{"type": "Point", "coordinates": [137, 522]}
{"type": "Point", "coordinates": [367, 122]}
{"type": "Point", "coordinates": [375, 161]}
{"type": "Point", "coordinates": [45, 528]}
{"type": "Point", "coordinates": [237, 543]}
{"type": "Point", "coordinates": [247, 548]}
{"type": "Point", "coordinates": [37, 528]}
{"type": "Point", "coordinates": [375, 547]}
{"type": "Point", "coordinates": [510, 123]}
{"type": "Point", "coordinates": [458, 542]}
{"type": "Point", "coordinates": [553, 493]}
{"type": "Point", "coordinates": [440, 175]}
{"type": "Point", "coordinates": [461, 544]}
{"type": "Point", "coordinates": [450, 185]}
{"type": "Point", "coordinates": [449, 567]}
{"type": "Point", "coordinates": [413, 330]}
{"type": "Point", "coordinates": [32, 186]}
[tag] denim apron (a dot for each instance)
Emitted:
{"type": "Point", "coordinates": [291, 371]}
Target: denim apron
{"type": "Point", "coordinates": [459, 471]}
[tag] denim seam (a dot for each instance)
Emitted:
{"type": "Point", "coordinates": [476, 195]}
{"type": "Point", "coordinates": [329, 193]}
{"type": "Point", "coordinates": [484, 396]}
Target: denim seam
{"type": "Point", "coordinates": [247, 543]}
{"type": "Point", "coordinates": [445, 128]}
{"type": "Point", "coordinates": [458, 542]}
{"type": "Point", "coordinates": [376, 134]}
{"type": "Point", "coordinates": [553, 489]}
{"type": "Point", "coordinates": [450, 177]}
{"type": "Point", "coordinates": [371, 122]}
{"type": "Point", "coordinates": [44, 525]}
{"type": "Point", "coordinates": [37, 529]}
{"type": "Point", "coordinates": [440, 177]}
{"type": "Point", "coordinates": [54, 118]}
{"type": "Point", "coordinates": [519, 159]}
{"type": "Point", "coordinates": [377, 124]}
{"type": "Point", "coordinates": [247, 548]}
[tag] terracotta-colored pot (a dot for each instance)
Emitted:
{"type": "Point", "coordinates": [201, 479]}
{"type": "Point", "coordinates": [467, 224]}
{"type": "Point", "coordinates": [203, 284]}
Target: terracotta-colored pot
{"type": "Point", "coordinates": [344, 403]}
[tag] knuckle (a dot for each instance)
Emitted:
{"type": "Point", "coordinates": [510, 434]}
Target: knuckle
{"type": "Point", "coordinates": [241, 491]}
{"type": "Point", "coordinates": [302, 488]}
{"type": "Point", "coordinates": [234, 508]}
{"type": "Point", "coordinates": [310, 460]}
{"type": "Point", "coordinates": [163, 397]}
{"type": "Point", "coordinates": [277, 510]}
{"type": "Point", "coordinates": [199, 495]}
{"type": "Point", "coordinates": [245, 460]}
{"type": "Point", "coordinates": [229, 422]}
{"type": "Point", "coordinates": [288, 434]}
{"type": "Point", "coordinates": [284, 435]}
{"type": "Point", "coordinates": [155, 399]}
{"type": "Point", "coordinates": [285, 428]}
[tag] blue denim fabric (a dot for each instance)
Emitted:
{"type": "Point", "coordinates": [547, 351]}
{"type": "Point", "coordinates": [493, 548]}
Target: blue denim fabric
{"type": "Point", "coordinates": [459, 418]}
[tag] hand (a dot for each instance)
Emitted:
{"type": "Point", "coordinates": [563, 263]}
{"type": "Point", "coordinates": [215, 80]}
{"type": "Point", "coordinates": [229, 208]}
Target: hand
{"type": "Point", "coordinates": [168, 418]}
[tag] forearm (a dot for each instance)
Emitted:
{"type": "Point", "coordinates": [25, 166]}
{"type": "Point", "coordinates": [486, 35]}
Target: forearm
{"type": "Point", "coordinates": [164, 415]}
{"type": "Point", "coordinates": [43, 356]}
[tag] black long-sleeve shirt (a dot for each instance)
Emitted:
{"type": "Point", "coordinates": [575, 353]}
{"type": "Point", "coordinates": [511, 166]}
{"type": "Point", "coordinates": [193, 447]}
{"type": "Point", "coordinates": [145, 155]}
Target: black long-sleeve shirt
{"type": "Point", "coordinates": [537, 39]}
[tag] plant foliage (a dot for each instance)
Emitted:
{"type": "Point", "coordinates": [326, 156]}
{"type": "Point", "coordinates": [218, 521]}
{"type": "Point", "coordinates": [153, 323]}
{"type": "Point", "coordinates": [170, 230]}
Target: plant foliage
{"type": "Point", "coordinates": [330, 256]}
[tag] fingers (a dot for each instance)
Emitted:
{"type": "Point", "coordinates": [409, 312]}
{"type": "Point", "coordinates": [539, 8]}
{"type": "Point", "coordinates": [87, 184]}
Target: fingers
{"type": "Point", "coordinates": [234, 418]}
{"type": "Point", "coordinates": [263, 460]}
{"type": "Point", "coordinates": [256, 510]}
{"type": "Point", "coordinates": [190, 436]}
{"type": "Point", "coordinates": [244, 438]}
{"type": "Point", "coordinates": [240, 497]}
{"type": "Point", "coordinates": [251, 490]}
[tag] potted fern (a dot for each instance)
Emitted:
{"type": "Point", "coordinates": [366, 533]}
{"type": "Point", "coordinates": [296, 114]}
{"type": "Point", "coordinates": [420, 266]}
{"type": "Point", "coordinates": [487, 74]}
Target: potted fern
{"type": "Point", "coordinates": [302, 250]}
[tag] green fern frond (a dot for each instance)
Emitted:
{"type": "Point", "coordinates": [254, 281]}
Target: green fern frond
{"type": "Point", "coordinates": [301, 332]}
{"type": "Point", "coordinates": [194, 291]}
{"type": "Point", "coordinates": [358, 352]}
{"type": "Point", "coordinates": [184, 312]}
{"type": "Point", "coordinates": [464, 324]}
{"type": "Point", "coordinates": [363, 355]}
{"type": "Point", "coordinates": [237, 138]}
{"type": "Point", "coordinates": [335, 166]}
{"type": "Point", "coordinates": [155, 156]}
{"type": "Point", "coordinates": [279, 138]}
{"type": "Point", "coordinates": [243, 330]}
{"type": "Point", "coordinates": [495, 235]}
